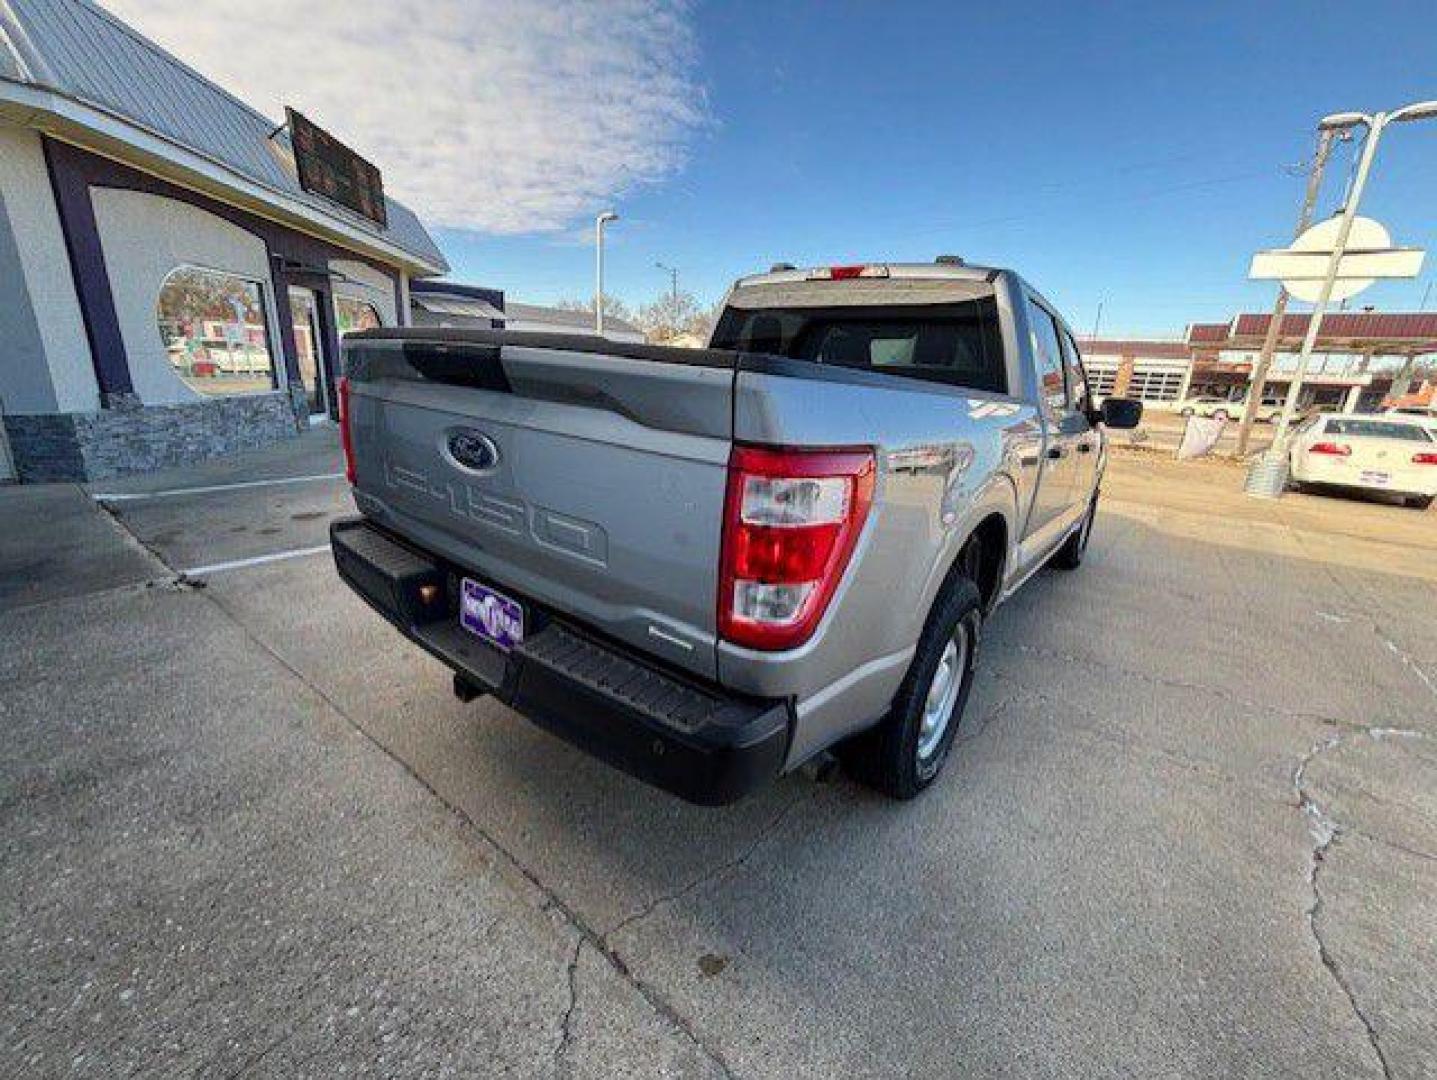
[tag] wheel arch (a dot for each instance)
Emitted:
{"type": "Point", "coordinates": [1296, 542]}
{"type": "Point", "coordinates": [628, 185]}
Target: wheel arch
{"type": "Point", "coordinates": [991, 519]}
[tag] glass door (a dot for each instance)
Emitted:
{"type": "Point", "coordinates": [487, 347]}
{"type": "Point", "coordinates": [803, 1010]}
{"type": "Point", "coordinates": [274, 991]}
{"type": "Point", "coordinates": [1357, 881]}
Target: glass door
{"type": "Point", "coordinates": [309, 343]}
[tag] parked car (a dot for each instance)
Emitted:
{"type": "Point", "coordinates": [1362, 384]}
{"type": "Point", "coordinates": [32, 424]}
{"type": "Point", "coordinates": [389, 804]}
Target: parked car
{"type": "Point", "coordinates": [1367, 453]}
{"type": "Point", "coordinates": [1220, 408]}
{"type": "Point", "coordinates": [707, 566]}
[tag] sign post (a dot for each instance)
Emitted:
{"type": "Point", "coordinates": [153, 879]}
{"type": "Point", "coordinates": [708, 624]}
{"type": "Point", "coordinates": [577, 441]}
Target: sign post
{"type": "Point", "coordinates": [1333, 260]}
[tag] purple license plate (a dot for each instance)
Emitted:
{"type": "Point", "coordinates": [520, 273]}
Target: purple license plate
{"type": "Point", "coordinates": [490, 615]}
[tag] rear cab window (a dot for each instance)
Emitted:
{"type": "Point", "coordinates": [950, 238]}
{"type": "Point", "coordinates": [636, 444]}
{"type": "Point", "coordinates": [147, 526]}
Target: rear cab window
{"type": "Point", "coordinates": [1376, 429]}
{"type": "Point", "coordinates": [957, 343]}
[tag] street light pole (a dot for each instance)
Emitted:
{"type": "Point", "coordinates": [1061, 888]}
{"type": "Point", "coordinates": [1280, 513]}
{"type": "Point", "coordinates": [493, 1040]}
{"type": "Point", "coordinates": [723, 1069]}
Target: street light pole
{"type": "Point", "coordinates": [1376, 123]}
{"type": "Point", "coordinates": [599, 223]}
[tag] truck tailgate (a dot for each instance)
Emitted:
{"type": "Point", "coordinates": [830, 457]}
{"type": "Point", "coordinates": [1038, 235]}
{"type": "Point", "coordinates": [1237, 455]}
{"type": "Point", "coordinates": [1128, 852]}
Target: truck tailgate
{"type": "Point", "coordinates": [569, 475]}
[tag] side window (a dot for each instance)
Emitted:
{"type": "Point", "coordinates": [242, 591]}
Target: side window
{"type": "Point", "coordinates": [1049, 355]}
{"type": "Point", "coordinates": [1077, 377]}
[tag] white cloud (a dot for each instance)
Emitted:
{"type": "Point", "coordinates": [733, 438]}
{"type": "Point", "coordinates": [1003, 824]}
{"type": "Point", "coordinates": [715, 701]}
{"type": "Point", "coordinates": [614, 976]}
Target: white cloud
{"type": "Point", "coordinates": [502, 115]}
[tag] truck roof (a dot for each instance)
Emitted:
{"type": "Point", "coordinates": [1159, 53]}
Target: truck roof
{"type": "Point", "coordinates": [864, 284]}
{"type": "Point", "coordinates": [941, 271]}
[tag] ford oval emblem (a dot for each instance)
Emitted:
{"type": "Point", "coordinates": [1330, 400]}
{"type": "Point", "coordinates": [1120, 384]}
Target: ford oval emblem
{"type": "Point", "coordinates": [472, 450]}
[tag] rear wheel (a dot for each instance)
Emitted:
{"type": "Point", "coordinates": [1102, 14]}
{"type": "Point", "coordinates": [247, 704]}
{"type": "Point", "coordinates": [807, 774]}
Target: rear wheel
{"type": "Point", "coordinates": [906, 751]}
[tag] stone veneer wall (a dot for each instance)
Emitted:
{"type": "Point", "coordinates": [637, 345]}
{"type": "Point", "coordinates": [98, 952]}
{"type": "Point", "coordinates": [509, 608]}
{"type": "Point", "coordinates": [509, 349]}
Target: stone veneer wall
{"type": "Point", "coordinates": [130, 438]}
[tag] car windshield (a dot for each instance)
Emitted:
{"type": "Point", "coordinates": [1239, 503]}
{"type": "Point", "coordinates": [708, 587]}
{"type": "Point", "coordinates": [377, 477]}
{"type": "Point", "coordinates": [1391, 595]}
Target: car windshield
{"type": "Point", "coordinates": [956, 343]}
{"type": "Point", "coordinates": [1377, 429]}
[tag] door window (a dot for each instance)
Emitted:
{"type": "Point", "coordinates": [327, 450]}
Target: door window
{"type": "Point", "coordinates": [309, 346]}
{"type": "Point", "coordinates": [1049, 356]}
{"type": "Point", "coordinates": [1077, 377]}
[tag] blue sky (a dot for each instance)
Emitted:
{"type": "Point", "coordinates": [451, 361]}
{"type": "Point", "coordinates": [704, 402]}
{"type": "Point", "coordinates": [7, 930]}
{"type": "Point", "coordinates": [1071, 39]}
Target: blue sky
{"type": "Point", "coordinates": [1128, 154]}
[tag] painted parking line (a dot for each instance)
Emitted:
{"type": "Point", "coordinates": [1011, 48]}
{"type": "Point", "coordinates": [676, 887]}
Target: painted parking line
{"type": "Point", "coordinates": [254, 560]}
{"type": "Point", "coordinates": [131, 496]}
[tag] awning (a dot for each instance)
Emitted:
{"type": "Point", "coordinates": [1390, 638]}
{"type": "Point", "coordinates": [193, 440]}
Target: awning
{"type": "Point", "coordinates": [457, 305]}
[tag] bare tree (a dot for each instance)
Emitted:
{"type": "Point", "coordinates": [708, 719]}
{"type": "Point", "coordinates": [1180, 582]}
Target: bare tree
{"type": "Point", "coordinates": [614, 308]}
{"type": "Point", "coordinates": [678, 315]}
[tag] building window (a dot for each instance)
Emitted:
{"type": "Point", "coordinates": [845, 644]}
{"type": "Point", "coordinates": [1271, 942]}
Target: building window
{"type": "Point", "coordinates": [356, 315]}
{"type": "Point", "coordinates": [1101, 378]}
{"type": "Point", "coordinates": [1155, 384]}
{"type": "Point", "coordinates": [214, 331]}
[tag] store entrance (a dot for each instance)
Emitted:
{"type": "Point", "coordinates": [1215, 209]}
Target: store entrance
{"type": "Point", "coordinates": [309, 344]}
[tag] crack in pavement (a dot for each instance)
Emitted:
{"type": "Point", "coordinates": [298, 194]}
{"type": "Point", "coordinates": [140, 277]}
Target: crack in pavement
{"type": "Point", "coordinates": [566, 1022]}
{"type": "Point", "coordinates": [1406, 660]}
{"type": "Point", "coordinates": [712, 874]}
{"type": "Point", "coordinates": [1326, 833]}
{"type": "Point", "coordinates": [1366, 601]}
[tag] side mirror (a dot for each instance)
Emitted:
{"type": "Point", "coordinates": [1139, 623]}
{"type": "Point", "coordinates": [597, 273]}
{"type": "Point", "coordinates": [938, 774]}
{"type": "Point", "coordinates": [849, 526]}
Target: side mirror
{"type": "Point", "coordinates": [1120, 413]}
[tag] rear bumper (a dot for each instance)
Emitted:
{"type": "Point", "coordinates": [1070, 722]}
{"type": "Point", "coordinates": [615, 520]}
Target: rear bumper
{"type": "Point", "coordinates": [1344, 477]}
{"type": "Point", "coordinates": [694, 740]}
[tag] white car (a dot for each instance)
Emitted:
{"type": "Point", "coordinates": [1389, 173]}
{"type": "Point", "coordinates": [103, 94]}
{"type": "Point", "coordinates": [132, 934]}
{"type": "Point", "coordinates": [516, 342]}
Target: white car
{"type": "Point", "coordinates": [1220, 408]}
{"type": "Point", "coordinates": [1392, 454]}
{"type": "Point", "coordinates": [1268, 410]}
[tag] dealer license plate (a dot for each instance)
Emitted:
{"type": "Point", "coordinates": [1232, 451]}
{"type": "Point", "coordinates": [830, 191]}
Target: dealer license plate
{"type": "Point", "coordinates": [1376, 476]}
{"type": "Point", "coordinates": [490, 615]}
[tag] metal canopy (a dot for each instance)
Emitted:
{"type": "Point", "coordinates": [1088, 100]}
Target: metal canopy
{"type": "Point", "coordinates": [465, 307]}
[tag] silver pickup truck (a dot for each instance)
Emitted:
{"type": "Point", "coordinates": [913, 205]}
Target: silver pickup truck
{"type": "Point", "coordinates": [707, 566]}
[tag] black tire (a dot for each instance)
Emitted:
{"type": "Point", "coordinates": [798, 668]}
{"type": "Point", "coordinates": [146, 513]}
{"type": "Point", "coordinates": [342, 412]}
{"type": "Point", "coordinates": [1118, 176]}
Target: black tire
{"type": "Point", "coordinates": [887, 756]}
{"type": "Point", "coordinates": [1420, 502]}
{"type": "Point", "coordinates": [1070, 555]}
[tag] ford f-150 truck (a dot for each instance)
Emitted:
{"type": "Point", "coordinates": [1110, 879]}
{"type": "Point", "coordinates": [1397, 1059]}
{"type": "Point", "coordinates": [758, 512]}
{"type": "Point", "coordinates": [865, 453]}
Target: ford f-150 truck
{"type": "Point", "coordinates": [707, 566]}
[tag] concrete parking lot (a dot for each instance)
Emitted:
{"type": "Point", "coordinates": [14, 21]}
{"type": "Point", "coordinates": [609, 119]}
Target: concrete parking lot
{"type": "Point", "coordinates": [1190, 828]}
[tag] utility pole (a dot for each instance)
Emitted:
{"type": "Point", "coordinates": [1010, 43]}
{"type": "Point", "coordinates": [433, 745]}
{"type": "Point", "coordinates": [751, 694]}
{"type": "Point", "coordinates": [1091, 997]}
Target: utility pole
{"type": "Point", "coordinates": [1325, 139]}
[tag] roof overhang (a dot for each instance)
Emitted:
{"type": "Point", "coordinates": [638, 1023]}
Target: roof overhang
{"type": "Point", "coordinates": [105, 133]}
{"type": "Point", "coordinates": [453, 304]}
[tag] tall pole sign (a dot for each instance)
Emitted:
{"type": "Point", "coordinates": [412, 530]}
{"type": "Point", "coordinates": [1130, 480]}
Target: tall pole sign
{"type": "Point", "coordinates": [1336, 259]}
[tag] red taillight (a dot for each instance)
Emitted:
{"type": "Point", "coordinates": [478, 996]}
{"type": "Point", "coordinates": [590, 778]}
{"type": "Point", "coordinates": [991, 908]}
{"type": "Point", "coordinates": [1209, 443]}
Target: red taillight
{"type": "Point", "coordinates": [346, 438]}
{"type": "Point", "coordinates": [1335, 449]}
{"type": "Point", "coordinates": [1426, 457]}
{"type": "Point", "coordinates": [791, 520]}
{"type": "Point", "coordinates": [842, 273]}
